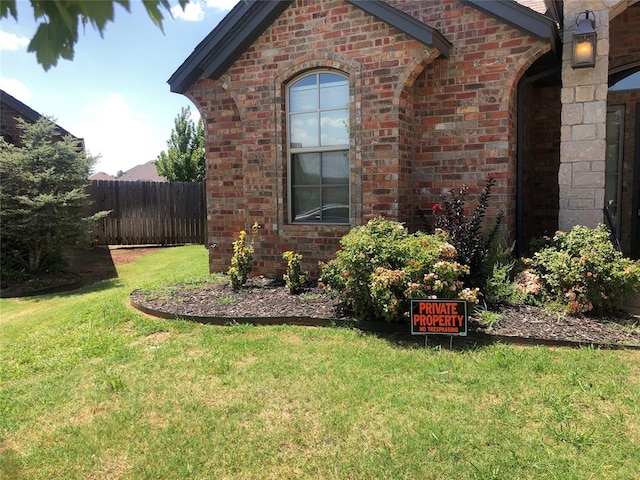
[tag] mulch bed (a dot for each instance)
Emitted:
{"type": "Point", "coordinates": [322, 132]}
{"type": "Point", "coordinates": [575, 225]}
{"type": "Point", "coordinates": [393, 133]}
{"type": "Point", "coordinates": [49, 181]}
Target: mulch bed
{"type": "Point", "coordinates": [268, 301]}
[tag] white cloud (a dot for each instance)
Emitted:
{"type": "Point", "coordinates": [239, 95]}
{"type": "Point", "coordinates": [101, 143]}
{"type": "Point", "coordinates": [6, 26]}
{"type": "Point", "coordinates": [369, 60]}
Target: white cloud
{"type": "Point", "coordinates": [192, 12]}
{"type": "Point", "coordinates": [16, 89]}
{"type": "Point", "coordinates": [11, 42]}
{"type": "Point", "coordinates": [122, 136]}
{"type": "Point", "coordinates": [222, 5]}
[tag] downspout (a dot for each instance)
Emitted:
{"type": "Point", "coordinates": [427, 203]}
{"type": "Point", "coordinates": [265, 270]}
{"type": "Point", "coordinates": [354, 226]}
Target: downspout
{"type": "Point", "coordinates": [524, 82]}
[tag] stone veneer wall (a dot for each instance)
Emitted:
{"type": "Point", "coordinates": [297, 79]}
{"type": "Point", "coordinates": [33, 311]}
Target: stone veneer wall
{"type": "Point", "coordinates": [584, 108]}
{"type": "Point", "coordinates": [583, 132]}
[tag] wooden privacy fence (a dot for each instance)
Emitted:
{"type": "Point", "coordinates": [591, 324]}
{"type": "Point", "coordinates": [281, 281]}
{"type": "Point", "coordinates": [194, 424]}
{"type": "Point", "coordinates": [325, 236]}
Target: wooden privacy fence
{"type": "Point", "coordinates": [145, 213]}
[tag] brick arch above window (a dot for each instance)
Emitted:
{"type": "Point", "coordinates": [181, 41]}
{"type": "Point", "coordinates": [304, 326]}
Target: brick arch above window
{"type": "Point", "coordinates": [319, 60]}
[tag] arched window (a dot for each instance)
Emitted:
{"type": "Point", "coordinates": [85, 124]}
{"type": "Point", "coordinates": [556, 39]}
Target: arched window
{"type": "Point", "coordinates": [318, 140]}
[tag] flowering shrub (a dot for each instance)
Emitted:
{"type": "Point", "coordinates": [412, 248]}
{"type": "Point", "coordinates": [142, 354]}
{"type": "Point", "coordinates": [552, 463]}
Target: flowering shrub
{"type": "Point", "coordinates": [294, 277]}
{"type": "Point", "coordinates": [582, 270]}
{"type": "Point", "coordinates": [242, 260]}
{"type": "Point", "coordinates": [381, 266]}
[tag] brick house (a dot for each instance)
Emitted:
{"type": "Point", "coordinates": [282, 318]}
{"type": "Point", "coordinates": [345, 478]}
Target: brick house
{"type": "Point", "coordinates": [321, 114]}
{"type": "Point", "coordinates": [11, 109]}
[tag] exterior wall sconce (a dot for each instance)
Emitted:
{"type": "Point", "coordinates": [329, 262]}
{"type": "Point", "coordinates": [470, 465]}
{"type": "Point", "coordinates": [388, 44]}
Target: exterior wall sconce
{"type": "Point", "coordinates": [584, 41]}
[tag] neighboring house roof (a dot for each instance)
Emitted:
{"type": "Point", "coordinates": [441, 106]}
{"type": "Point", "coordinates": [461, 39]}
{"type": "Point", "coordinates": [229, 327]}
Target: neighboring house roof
{"type": "Point", "coordinates": [250, 18]}
{"type": "Point", "coordinates": [29, 113]}
{"type": "Point", "coordinates": [146, 172]}
{"type": "Point", "coordinates": [101, 176]}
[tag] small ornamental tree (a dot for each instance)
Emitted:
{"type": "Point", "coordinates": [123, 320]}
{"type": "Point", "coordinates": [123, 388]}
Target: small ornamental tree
{"type": "Point", "coordinates": [465, 232]}
{"type": "Point", "coordinates": [242, 259]}
{"type": "Point", "coordinates": [42, 197]}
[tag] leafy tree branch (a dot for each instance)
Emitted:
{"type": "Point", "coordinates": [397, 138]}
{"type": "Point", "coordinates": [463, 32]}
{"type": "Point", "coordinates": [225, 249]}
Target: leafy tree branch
{"type": "Point", "coordinates": [57, 32]}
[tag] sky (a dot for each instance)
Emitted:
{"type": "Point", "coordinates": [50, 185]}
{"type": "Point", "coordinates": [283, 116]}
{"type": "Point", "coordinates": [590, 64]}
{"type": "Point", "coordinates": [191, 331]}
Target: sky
{"type": "Point", "coordinates": [114, 93]}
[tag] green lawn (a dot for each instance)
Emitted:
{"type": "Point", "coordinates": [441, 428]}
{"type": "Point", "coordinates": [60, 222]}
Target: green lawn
{"type": "Point", "coordinates": [92, 389]}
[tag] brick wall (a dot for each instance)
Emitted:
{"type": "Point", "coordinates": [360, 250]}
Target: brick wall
{"type": "Point", "coordinates": [466, 106]}
{"type": "Point", "coordinates": [419, 125]}
{"type": "Point", "coordinates": [624, 36]}
{"type": "Point", "coordinates": [9, 125]}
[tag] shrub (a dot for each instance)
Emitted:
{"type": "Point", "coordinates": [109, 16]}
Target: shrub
{"type": "Point", "coordinates": [242, 260]}
{"type": "Point", "coordinates": [294, 277]}
{"type": "Point", "coordinates": [506, 284]}
{"type": "Point", "coordinates": [43, 198]}
{"type": "Point", "coordinates": [465, 232]}
{"type": "Point", "coordinates": [381, 266]}
{"type": "Point", "coordinates": [582, 270]}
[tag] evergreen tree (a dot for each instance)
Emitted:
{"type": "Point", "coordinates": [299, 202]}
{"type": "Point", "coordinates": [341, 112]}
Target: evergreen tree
{"type": "Point", "coordinates": [184, 160]}
{"type": "Point", "coordinates": [42, 197]}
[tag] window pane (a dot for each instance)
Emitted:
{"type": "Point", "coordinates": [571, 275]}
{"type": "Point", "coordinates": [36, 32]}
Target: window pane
{"type": "Point", "coordinates": [303, 94]}
{"type": "Point", "coordinates": [335, 168]}
{"type": "Point", "coordinates": [306, 169]}
{"type": "Point", "coordinates": [304, 130]}
{"type": "Point", "coordinates": [334, 91]}
{"type": "Point", "coordinates": [333, 127]}
{"type": "Point", "coordinates": [335, 207]}
{"type": "Point", "coordinates": [306, 204]}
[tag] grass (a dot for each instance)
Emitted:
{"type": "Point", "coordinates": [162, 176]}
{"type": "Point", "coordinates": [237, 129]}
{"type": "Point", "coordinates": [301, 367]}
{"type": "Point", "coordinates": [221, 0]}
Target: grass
{"type": "Point", "coordinates": [92, 389]}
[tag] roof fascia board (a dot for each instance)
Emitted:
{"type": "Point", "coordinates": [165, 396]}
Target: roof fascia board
{"type": "Point", "coordinates": [406, 23]}
{"type": "Point", "coordinates": [520, 17]}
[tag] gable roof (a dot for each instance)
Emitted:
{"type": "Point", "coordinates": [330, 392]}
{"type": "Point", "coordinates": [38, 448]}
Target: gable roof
{"type": "Point", "coordinates": [250, 18]}
{"type": "Point", "coordinates": [227, 41]}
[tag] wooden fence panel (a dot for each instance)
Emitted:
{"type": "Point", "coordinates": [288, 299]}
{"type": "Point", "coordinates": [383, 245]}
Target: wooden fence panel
{"type": "Point", "coordinates": [145, 213]}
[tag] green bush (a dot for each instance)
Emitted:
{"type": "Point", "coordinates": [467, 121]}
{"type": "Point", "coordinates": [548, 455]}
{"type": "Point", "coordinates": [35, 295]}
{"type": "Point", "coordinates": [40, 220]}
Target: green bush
{"type": "Point", "coordinates": [381, 266]}
{"type": "Point", "coordinates": [242, 260]}
{"type": "Point", "coordinates": [43, 199]}
{"type": "Point", "coordinates": [583, 271]}
{"type": "Point", "coordinates": [294, 277]}
{"type": "Point", "coordinates": [506, 282]}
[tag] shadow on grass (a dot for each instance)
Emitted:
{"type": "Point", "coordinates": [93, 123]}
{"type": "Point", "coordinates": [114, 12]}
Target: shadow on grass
{"type": "Point", "coordinates": [89, 269]}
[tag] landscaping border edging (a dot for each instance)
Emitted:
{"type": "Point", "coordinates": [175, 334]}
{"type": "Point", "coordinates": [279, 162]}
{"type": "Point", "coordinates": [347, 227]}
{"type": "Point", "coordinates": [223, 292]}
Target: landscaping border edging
{"type": "Point", "coordinates": [61, 288]}
{"type": "Point", "coordinates": [372, 327]}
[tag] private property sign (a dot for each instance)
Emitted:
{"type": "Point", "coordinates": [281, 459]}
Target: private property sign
{"type": "Point", "coordinates": [439, 317]}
